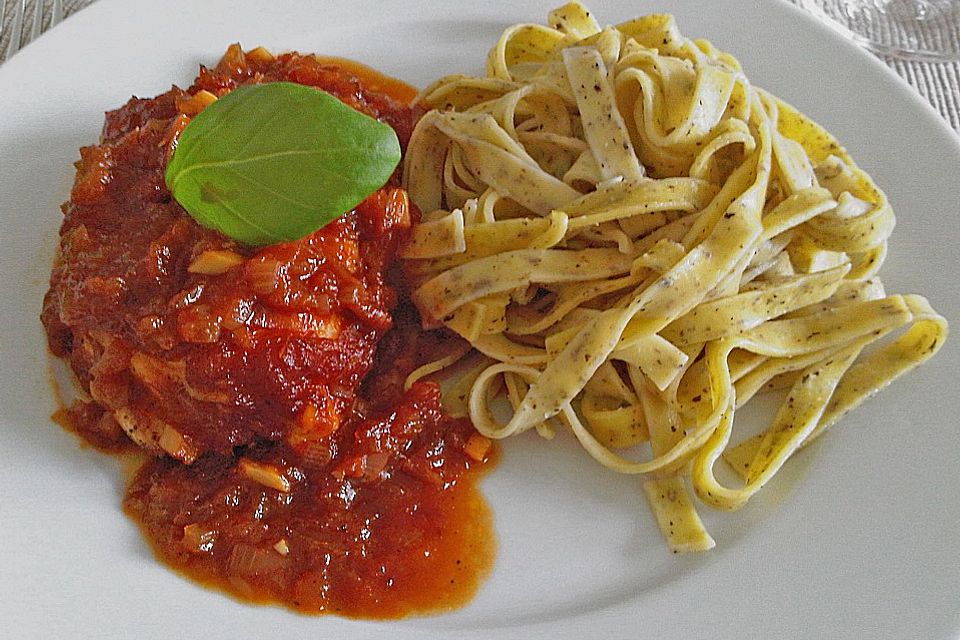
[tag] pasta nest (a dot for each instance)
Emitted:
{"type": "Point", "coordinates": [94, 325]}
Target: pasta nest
{"type": "Point", "coordinates": [635, 241]}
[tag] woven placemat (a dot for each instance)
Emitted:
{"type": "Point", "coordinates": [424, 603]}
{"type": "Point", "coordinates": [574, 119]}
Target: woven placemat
{"type": "Point", "coordinates": [939, 83]}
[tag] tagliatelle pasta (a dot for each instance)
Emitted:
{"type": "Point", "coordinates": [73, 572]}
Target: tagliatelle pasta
{"type": "Point", "coordinates": [638, 240]}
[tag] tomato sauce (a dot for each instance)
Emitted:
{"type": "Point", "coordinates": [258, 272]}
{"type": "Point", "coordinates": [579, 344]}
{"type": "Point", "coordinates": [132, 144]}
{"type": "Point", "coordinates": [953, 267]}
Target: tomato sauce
{"type": "Point", "coordinates": [292, 467]}
{"type": "Point", "coordinates": [391, 523]}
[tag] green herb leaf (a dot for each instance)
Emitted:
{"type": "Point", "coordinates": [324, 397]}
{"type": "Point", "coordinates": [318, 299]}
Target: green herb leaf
{"type": "Point", "coordinates": [275, 162]}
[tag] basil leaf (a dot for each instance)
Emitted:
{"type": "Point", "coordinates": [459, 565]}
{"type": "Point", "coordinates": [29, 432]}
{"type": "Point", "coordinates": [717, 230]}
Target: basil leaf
{"type": "Point", "coordinates": [275, 162]}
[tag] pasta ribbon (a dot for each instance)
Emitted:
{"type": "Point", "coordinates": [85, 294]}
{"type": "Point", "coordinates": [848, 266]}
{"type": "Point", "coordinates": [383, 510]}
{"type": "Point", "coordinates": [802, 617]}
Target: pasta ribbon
{"type": "Point", "coordinates": [637, 242]}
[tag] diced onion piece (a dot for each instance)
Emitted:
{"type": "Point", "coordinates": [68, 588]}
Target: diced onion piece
{"type": "Point", "coordinates": [262, 274]}
{"type": "Point", "coordinates": [199, 324]}
{"type": "Point", "coordinates": [248, 560]}
{"type": "Point", "coordinates": [374, 464]}
{"type": "Point", "coordinates": [477, 447]}
{"type": "Point", "coordinates": [265, 474]}
{"type": "Point", "coordinates": [176, 445]}
{"type": "Point", "coordinates": [196, 103]}
{"type": "Point", "coordinates": [260, 55]}
{"type": "Point", "coordinates": [320, 425]}
{"type": "Point", "coordinates": [215, 262]}
{"type": "Point", "coordinates": [197, 538]}
{"type": "Point", "coordinates": [282, 547]}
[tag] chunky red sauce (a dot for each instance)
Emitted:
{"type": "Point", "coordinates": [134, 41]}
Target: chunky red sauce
{"type": "Point", "coordinates": [292, 467]}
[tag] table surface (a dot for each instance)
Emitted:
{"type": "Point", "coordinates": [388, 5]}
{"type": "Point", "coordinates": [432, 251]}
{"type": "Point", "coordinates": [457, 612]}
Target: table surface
{"type": "Point", "coordinates": [938, 83]}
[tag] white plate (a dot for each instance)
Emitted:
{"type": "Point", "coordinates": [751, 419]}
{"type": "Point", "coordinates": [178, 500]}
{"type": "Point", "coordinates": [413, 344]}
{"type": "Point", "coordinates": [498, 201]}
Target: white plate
{"type": "Point", "coordinates": [857, 538]}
